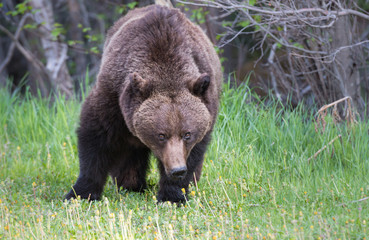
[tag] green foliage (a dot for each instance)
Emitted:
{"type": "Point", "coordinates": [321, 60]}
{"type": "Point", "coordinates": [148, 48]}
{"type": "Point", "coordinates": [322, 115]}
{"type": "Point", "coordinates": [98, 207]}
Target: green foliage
{"type": "Point", "coordinates": [132, 5]}
{"type": "Point", "coordinates": [364, 5]}
{"type": "Point", "coordinates": [256, 179]}
{"type": "Point", "coordinates": [57, 31]}
{"type": "Point", "coordinates": [95, 50]}
{"type": "Point", "coordinates": [92, 38]}
{"type": "Point", "coordinates": [198, 15]}
{"type": "Point", "coordinates": [124, 8]}
{"type": "Point", "coordinates": [29, 26]}
{"type": "Point", "coordinates": [257, 18]}
{"type": "Point", "coordinates": [298, 45]}
{"type": "Point", "coordinates": [73, 42]}
{"type": "Point", "coordinates": [20, 9]}
{"type": "Point", "coordinates": [243, 24]}
{"type": "Point", "coordinates": [86, 29]}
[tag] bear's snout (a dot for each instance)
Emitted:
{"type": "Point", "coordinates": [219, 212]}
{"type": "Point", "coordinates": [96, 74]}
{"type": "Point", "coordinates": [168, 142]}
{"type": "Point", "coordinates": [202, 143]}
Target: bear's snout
{"type": "Point", "coordinates": [178, 173]}
{"type": "Point", "coordinates": [174, 157]}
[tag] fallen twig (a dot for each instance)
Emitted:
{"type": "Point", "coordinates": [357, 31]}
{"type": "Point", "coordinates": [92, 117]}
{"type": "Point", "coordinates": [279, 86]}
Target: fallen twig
{"type": "Point", "coordinates": [322, 149]}
{"type": "Point", "coordinates": [254, 205]}
{"type": "Point", "coordinates": [355, 201]}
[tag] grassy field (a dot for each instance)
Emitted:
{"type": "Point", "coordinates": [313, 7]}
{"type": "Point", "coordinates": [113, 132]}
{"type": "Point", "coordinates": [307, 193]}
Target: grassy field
{"type": "Point", "coordinates": [257, 182]}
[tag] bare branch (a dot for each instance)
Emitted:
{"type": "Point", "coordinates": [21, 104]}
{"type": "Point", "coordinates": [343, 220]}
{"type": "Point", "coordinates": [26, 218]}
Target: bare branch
{"type": "Point", "coordinates": [28, 55]}
{"type": "Point", "coordinates": [13, 44]}
{"type": "Point", "coordinates": [318, 44]}
{"type": "Point", "coordinates": [287, 14]}
{"type": "Point", "coordinates": [270, 62]}
{"type": "Point", "coordinates": [325, 146]}
{"type": "Point", "coordinates": [229, 5]}
{"type": "Point", "coordinates": [355, 201]}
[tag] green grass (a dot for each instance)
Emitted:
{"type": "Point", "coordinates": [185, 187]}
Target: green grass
{"type": "Point", "coordinates": [257, 182]}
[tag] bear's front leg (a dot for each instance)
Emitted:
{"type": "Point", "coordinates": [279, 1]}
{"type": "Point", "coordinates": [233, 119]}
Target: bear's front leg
{"type": "Point", "coordinates": [175, 190]}
{"type": "Point", "coordinates": [172, 190]}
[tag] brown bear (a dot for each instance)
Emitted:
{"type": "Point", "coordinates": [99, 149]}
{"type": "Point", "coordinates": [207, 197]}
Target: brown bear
{"type": "Point", "coordinates": [157, 92]}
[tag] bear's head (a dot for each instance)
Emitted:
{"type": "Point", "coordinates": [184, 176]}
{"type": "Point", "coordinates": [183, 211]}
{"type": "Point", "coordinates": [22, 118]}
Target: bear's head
{"type": "Point", "coordinates": [169, 124]}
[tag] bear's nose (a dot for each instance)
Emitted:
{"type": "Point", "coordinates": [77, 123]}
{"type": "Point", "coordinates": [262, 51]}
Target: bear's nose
{"type": "Point", "coordinates": [178, 173]}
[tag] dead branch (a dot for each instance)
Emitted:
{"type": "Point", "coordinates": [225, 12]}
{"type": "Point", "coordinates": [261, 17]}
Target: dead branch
{"type": "Point", "coordinates": [334, 103]}
{"type": "Point", "coordinates": [355, 201]}
{"type": "Point", "coordinates": [325, 146]}
{"type": "Point", "coordinates": [321, 40]}
{"type": "Point", "coordinates": [254, 205]}
{"type": "Point", "coordinates": [27, 54]}
{"type": "Point", "coordinates": [286, 14]}
{"type": "Point", "coordinates": [270, 63]}
{"type": "Point", "coordinates": [349, 114]}
{"type": "Point", "coordinates": [229, 5]}
{"type": "Point", "coordinates": [13, 44]}
{"type": "Point", "coordinates": [330, 58]}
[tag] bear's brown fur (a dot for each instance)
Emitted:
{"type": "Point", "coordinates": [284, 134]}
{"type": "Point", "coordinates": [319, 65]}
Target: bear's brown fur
{"type": "Point", "coordinates": [157, 91]}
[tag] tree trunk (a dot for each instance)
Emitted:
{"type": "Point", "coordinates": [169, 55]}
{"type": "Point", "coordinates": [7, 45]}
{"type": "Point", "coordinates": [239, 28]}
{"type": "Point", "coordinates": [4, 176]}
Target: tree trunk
{"type": "Point", "coordinates": [345, 65]}
{"type": "Point", "coordinates": [3, 73]}
{"type": "Point", "coordinates": [79, 58]}
{"type": "Point", "coordinates": [55, 52]}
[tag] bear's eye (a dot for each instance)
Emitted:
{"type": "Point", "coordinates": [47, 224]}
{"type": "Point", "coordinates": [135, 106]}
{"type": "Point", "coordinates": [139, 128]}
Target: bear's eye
{"type": "Point", "coordinates": [161, 137]}
{"type": "Point", "coordinates": [187, 136]}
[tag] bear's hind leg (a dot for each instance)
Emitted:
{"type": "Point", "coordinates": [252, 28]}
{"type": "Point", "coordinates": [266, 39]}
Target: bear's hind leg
{"type": "Point", "coordinates": [94, 161]}
{"type": "Point", "coordinates": [88, 187]}
{"type": "Point", "coordinates": [130, 171]}
{"type": "Point", "coordinates": [91, 179]}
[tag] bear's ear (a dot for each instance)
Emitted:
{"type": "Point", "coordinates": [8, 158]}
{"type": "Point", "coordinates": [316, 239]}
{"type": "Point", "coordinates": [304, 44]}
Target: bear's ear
{"type": "Point", "coordinates": [138, 84]}
{"type": "Point", "coordinates": [200, 86]}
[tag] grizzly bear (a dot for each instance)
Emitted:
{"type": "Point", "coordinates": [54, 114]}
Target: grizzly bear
{"type": "Point", "coordinates": [157, 92]}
